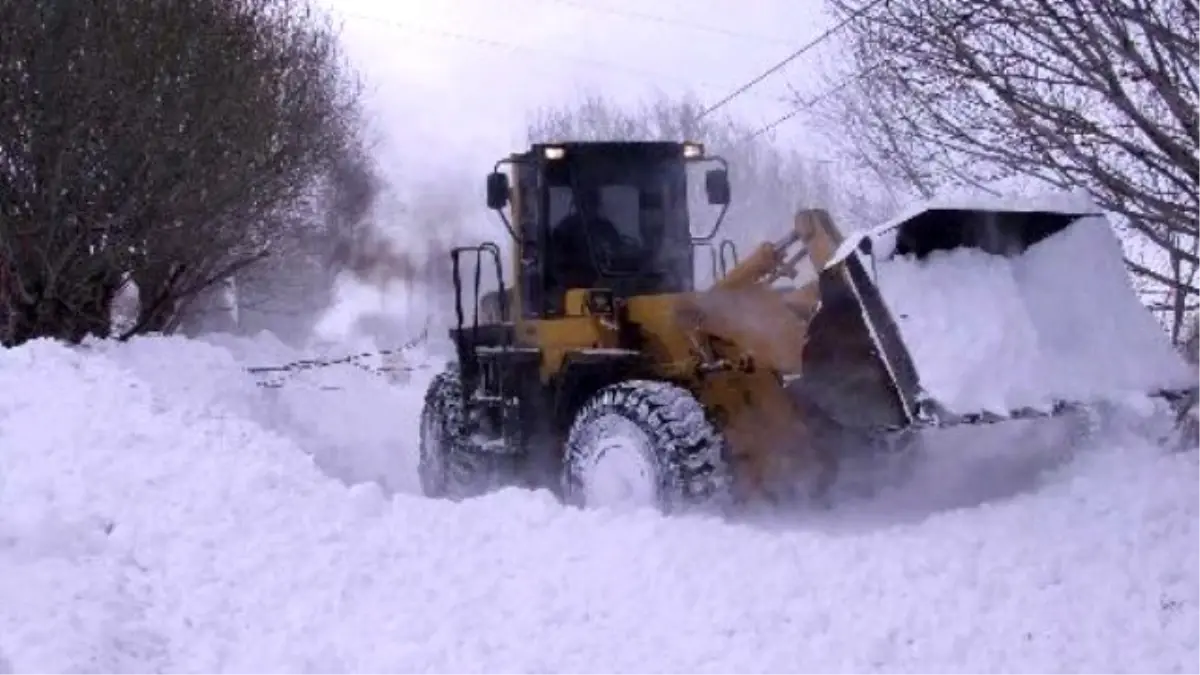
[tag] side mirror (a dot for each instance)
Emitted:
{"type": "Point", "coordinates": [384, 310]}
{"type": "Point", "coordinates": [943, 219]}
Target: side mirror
{"type": "Point", "coordinates": [497, 190]}
{"type": "Point", "coordinates": [716, 187]}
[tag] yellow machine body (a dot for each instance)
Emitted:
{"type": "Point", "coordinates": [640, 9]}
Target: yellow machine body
{"type": "Point", "coordinates": [733, 345]}
{"type": "Point", "coordinates": [790, 352]}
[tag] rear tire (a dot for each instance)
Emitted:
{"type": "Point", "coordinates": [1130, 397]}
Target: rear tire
{"type": "Point", "coordinates": [644, 443]}
{"type": "Point", "coordinates": [449, 466]}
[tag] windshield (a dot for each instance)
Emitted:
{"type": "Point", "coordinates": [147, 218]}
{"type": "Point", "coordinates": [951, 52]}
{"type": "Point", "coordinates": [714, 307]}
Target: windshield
{"type": "Point", "coordinates": [619, 223]}
{"type": "Point", "coordinates": [618, 204]}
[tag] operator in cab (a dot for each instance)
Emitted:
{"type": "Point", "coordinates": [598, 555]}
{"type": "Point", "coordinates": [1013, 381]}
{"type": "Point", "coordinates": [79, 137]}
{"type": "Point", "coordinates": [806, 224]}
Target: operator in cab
{"type": "Point", "coordinates": [586, 243]}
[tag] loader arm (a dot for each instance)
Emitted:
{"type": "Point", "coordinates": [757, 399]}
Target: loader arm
{"type": "Point", "coordinates": [813, 236]}
{"type": "Point", "coordinates": [829, 339]}
{"type": "Point", "coordinates": [752, 333]}
{"type": "Point", "coordinates": [751, 318]}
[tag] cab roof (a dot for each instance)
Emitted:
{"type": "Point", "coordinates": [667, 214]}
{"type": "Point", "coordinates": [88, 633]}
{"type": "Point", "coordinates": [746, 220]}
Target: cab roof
{"type": "Point", "coordinates": [630, 149]}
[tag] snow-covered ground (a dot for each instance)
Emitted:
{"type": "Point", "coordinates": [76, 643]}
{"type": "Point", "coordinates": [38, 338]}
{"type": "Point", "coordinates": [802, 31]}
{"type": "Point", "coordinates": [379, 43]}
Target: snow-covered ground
{"type": "Point", "coordinates": [159, 512]}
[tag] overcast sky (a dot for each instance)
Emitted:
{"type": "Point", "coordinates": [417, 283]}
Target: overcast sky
{"type": "Point", "coordinates": [460, 76]}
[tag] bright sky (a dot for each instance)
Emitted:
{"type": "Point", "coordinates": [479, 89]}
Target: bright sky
{"type": "Point", "coordinates": [459, 77]}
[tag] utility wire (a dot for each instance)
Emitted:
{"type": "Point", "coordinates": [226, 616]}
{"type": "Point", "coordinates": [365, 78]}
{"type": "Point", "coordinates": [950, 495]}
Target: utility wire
{"type": "Point", "coordinates": [791, 57]}
{"type": "Point", "coordinates": [808, 105]}
{"type": "Point", "coordinates": [526, 50]}
{"type": "Point", "coordinates": [655, 18]}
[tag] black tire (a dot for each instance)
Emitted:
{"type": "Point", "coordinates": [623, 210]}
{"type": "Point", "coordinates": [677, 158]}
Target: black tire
{"type": "Point", "coordinates": [448, 465]}
{"type": "Point", "coordinates": [682, 455]}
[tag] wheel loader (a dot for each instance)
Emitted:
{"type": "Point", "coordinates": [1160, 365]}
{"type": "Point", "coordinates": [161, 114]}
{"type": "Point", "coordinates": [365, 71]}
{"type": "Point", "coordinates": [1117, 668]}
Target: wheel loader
{"type": "Point", "coordinates": [594, 365]}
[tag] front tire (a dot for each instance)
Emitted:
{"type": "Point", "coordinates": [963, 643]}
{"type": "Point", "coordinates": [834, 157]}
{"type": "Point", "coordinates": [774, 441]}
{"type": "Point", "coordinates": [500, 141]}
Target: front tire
{"type": "Point", "coordinates": [645, 443]}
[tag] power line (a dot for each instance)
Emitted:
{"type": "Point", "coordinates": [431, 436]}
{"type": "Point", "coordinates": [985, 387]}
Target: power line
{"type": "Point", "coordinates": [808, 105]}
{"type": "Point", "coordinates": [525, 49]}
{"type": "Point", "coordinates": [791, 57]}
{"type": "Point", "coordinates": [655, 18]}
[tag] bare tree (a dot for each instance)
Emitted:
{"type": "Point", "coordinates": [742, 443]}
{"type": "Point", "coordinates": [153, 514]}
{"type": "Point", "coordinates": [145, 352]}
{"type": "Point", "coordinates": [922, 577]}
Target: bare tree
{"type": "Point", "coordinates": [287, 291]}
{"type": "Point", "coordinates": [1100, 94]}
{"type": "Point", "coordinates": [174, 142]}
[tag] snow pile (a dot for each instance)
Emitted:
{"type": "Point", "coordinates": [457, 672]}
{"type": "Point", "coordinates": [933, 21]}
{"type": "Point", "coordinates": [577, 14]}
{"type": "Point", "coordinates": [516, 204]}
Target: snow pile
{"type": "Point", "coordinates": [1057, 323]}
{"type": "Point", "coordinates": [152, 520]}
{"type": "Point", "coordinates": [353, 423]}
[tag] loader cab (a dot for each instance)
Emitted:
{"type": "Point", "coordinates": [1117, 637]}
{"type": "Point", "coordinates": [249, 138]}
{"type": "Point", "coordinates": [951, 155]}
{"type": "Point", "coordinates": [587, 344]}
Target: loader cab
{"type": "Point", "coordinates": [611, 215]}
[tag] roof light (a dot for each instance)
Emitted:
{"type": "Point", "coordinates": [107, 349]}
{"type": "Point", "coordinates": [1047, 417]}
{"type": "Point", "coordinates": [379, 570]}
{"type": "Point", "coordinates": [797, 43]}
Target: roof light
{"type": "Point", "coordinates": [693, 150]}
{"type": "Point", "coordinates": [554, 152]}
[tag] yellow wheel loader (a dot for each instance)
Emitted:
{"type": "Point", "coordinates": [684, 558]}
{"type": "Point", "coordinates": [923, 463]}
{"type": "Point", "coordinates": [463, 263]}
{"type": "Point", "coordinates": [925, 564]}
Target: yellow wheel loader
{"type": "Point", "coordinates": [593, 364]}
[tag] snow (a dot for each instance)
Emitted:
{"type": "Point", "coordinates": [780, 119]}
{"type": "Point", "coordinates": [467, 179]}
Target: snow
{"type": "Point", "coordinates": [609, 351]}
{"type": "Point", "coordinates": [1058, 323]}
{"type": "Point", "coordinates": [160, 513]}
{"type": "Point", "coordinates": [621, 473]}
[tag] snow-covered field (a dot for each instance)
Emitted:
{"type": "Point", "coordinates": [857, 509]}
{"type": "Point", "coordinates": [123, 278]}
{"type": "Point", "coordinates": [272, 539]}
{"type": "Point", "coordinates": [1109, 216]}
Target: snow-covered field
{"type": "Point", "coordinates": [159, 512]}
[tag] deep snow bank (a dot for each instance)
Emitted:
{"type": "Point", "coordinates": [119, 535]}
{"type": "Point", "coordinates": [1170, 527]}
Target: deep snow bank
{"type": "Point", "coordinates": [1059, 322]}
{"type": "Point", "coordinates": [354, 424]}
{"type": "Point", "coordinates": [151, 520]}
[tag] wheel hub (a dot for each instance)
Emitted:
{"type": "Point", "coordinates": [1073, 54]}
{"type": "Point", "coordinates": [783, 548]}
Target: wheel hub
{"type": "Point", "coordinates": [621, 474]}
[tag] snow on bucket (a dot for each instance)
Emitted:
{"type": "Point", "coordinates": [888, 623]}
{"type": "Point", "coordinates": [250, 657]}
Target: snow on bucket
{"type": "Point", "coordinates": [1046, 314]}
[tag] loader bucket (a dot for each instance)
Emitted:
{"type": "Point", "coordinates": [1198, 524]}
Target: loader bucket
{"type": "Point", "coordinates": [1000, 233]}
{"type": "Point", "coordinates": [955, 315]}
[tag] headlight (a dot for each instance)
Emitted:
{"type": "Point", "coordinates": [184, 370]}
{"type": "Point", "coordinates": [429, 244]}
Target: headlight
{"type": "Point", "coordinates": [693, 150]}
{"type": "Point", "coordinates": [554, 152]}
